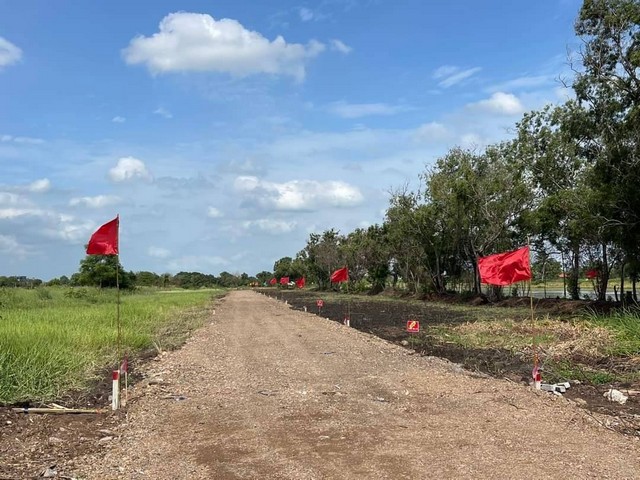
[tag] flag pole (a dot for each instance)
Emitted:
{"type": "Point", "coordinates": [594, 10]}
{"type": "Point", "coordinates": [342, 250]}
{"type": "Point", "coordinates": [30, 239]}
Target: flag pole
{"type": "Point", "coordinates": [533, 320]}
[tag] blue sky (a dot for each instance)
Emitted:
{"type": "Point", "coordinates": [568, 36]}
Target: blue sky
{"type": "Point", "coordinates": [224, 132]}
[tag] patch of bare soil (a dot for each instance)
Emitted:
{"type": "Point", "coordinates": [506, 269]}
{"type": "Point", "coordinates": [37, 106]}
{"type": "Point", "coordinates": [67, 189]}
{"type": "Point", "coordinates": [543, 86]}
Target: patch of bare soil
{"type": "Point", "coordinates": [388, 318]}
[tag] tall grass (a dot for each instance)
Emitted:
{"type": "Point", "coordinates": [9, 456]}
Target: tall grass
{"type": "Point", "coordinates": [625, 323]}
{"type": "Point", "coordinates": [54, 340]}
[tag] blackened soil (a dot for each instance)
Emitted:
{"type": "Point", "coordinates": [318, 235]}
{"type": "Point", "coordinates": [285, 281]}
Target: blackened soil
{"type": "Point", "coordinates": [387, 318]}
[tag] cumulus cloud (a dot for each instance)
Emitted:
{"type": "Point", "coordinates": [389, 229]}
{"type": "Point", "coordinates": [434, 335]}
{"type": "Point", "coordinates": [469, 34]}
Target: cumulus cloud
{"type": "Point", "coordinates": [299, 194]}
{"type": "Point", "coordinates": [40, 186]}
{"type": "Point", "coordinates": [129, 168]}
{"type": "Point", "coordinates": [213, 212]}
{"type": "Point", "coordinates": [271, 226]}
{"type": "Point", "coordinates": [118, 119]}
{"type": "Point", "coordinates": [9, 53]}
{"type": "Point", "coordinates": [449, 75]}
{"type": "Point", "coordinates": [340, 46]}
{"type": "Point", "coordinates": [98, 201]}
{"type": "Point", "coordinates": [500, 103]}
{"type": "Point", "coordinates": [158, 252]}
{"type": "Point", "coordinates": [198, 42]}
{"type": "Point", "coordinates": [357, 110]}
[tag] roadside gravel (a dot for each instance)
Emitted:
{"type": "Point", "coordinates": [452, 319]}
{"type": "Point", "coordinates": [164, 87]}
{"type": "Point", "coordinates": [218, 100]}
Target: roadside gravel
{"type": "Point", "coordinates": [265, 392]}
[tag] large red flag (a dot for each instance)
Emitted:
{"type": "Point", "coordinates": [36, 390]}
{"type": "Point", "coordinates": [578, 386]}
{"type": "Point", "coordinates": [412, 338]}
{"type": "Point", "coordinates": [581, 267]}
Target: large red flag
{"type": "Point", "coordinates": [300, 283]}
{"type": "Point", "coordinates": [505, 268]}
{"type": "Point", "coordinates": [105, 240]}
{"type": "Point", "coordinates": [284, 281]}
{"type": "Point", "coordinates": [273, 281]}
{"type": "Point", "coordinates": [340, 275]}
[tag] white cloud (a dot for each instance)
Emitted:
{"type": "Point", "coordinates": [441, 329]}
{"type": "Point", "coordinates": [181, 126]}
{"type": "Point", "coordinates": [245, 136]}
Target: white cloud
{"type": "Point", "coordinates": [340, 46]}
{"type": "Point", "coordinates": [129, 168]}
{"type": "Point", "coordinates": [40, 186]}
{"type": "Point", "coordinates": [23, 140]}
{"type": "Point", "coordinates": [499, 103]}
{"type": "Point", "coordinates": [7, 198]}
{"type": "Point", "coordinates": [306, 14]}
{"type": "Point", "coordinates": [273, 227]}
{"type": "Point", "coordinates": [11, 213]}
{"type": "Point", "coordinates": [198, 42]}
{"type": "Point", "coordinates": [9, 53]}
{"type": "Point", "coordinates": [213, 212]}
{"type": "Point", "coordinates": [299, 194]}
{"type": "Point", "coordinates": [163, 112]}
{"type": "Point", "coordinates": [158, 252]}
{"type": "Point", "coordinates": [118, 119]}
{"type": "Point", "coordinates": [523, 83]}
{"type": "Point", "coordinates": [449, 75]}
{"type": "Point", "coordinates": [98, 201]}
{"type": "Point", "coordinates": [432, 131]}
{"type": "Point", "coordinates": [357, 110]}
{"type": "Point", "coordinates": [11, 246]}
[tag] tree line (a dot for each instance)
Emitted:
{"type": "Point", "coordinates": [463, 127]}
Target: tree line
{"type": "Point", "coordinates": [567, 183]}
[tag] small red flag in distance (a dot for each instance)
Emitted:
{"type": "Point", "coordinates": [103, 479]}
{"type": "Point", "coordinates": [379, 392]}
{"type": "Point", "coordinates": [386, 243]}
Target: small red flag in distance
{"type": "Point", "coordinates": [300, 283]}
{"type": "Point", "coordinates": [284, 280]}
{"type": "Point", "coordinates": [340, 275]}
{"type": "Point", "coordinates": [105, 240]}
{"type": "Point", "coordinates": [273, 281]}
{"type": "Point", "coordinates": [592, 273]}
{"type": "Point", "coordinates": [505, 268]}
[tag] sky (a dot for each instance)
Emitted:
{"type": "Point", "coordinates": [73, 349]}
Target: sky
{"type": "Point", "coordinates": [225, 132]}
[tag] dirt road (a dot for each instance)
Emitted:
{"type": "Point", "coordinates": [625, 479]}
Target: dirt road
{"type": "Point", "coordinates": [264, 392]}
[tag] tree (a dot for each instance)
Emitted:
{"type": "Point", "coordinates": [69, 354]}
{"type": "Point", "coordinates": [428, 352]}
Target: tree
{"type": "Point", "coordinates": [100, 271]}
{"type": "Point", "coordinates": [609, 87]}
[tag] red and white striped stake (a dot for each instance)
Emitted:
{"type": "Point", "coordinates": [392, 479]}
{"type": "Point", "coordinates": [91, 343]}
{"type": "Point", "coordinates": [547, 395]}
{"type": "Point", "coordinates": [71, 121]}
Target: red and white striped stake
{"type": "Point", "coordinates": [115, 390]}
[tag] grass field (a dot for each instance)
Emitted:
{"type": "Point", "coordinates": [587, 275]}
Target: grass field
{"type": "Point", "coordinates": [54, 340]}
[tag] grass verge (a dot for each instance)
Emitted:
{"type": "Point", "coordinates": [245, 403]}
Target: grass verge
{"type": "Point", "coordinates": [54, 340]}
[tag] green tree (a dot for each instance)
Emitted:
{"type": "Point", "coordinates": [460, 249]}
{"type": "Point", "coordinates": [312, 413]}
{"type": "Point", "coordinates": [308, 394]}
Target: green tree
{"type": "Point", "coordinates": [103, 271]}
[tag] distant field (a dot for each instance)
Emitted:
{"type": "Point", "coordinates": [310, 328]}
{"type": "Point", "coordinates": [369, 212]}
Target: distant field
{"type": "Point", "coordinates": [54, 340]}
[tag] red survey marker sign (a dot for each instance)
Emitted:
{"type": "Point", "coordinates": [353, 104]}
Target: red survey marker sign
{"type": "Point", "coordinates": [413, 326]}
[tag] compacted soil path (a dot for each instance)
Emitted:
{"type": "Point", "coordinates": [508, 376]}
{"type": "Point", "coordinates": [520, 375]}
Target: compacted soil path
{"type": "Point", "coordinates": [265, 392]}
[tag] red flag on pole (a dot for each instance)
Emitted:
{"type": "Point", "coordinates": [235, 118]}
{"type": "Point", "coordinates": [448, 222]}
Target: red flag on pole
{"type": "Point", "coordinates": [284, 280]}
{"type": "Point", "coordinates": [300, 283]}
{"type": "Point", "coordinates": [273, 281]}
{"type": "Point", "coordinates": [505, 268]}
{"type": "Point", "coordinates": [340, 275]}
{"type": "Point", "coordinates": [105, 240]}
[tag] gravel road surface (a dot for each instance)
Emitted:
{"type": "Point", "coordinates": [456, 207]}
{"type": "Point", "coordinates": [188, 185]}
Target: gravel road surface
{"type": "Point", "coordinates": [265, 392]}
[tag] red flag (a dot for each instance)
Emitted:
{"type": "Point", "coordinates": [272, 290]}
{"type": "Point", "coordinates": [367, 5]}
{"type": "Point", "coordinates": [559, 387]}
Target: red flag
{"type": "Point", "coordinates": [340, 275]}
{"type": "Point", "coordinates": [300, 283]}
{"type": "Point", "coordinates": [592, 273]}
{"type": "Point", "coordinates": [105, 240]}
{"type": "Point", "coordinates": [505, 268]}
{"type": "Point", "coordinates": [284, 280]}
{"type": "Point", "coordinates": [273, 281]}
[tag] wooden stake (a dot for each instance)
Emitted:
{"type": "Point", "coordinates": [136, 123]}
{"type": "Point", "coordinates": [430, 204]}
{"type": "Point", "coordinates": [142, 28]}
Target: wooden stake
{"type": "Point", "coordinates": [55, 410]}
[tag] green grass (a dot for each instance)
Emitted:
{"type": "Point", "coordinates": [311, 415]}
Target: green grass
{"type": "Point", "coordinates": [54, 340]}
{"type": "Point", "coordinates": [625, 324]}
